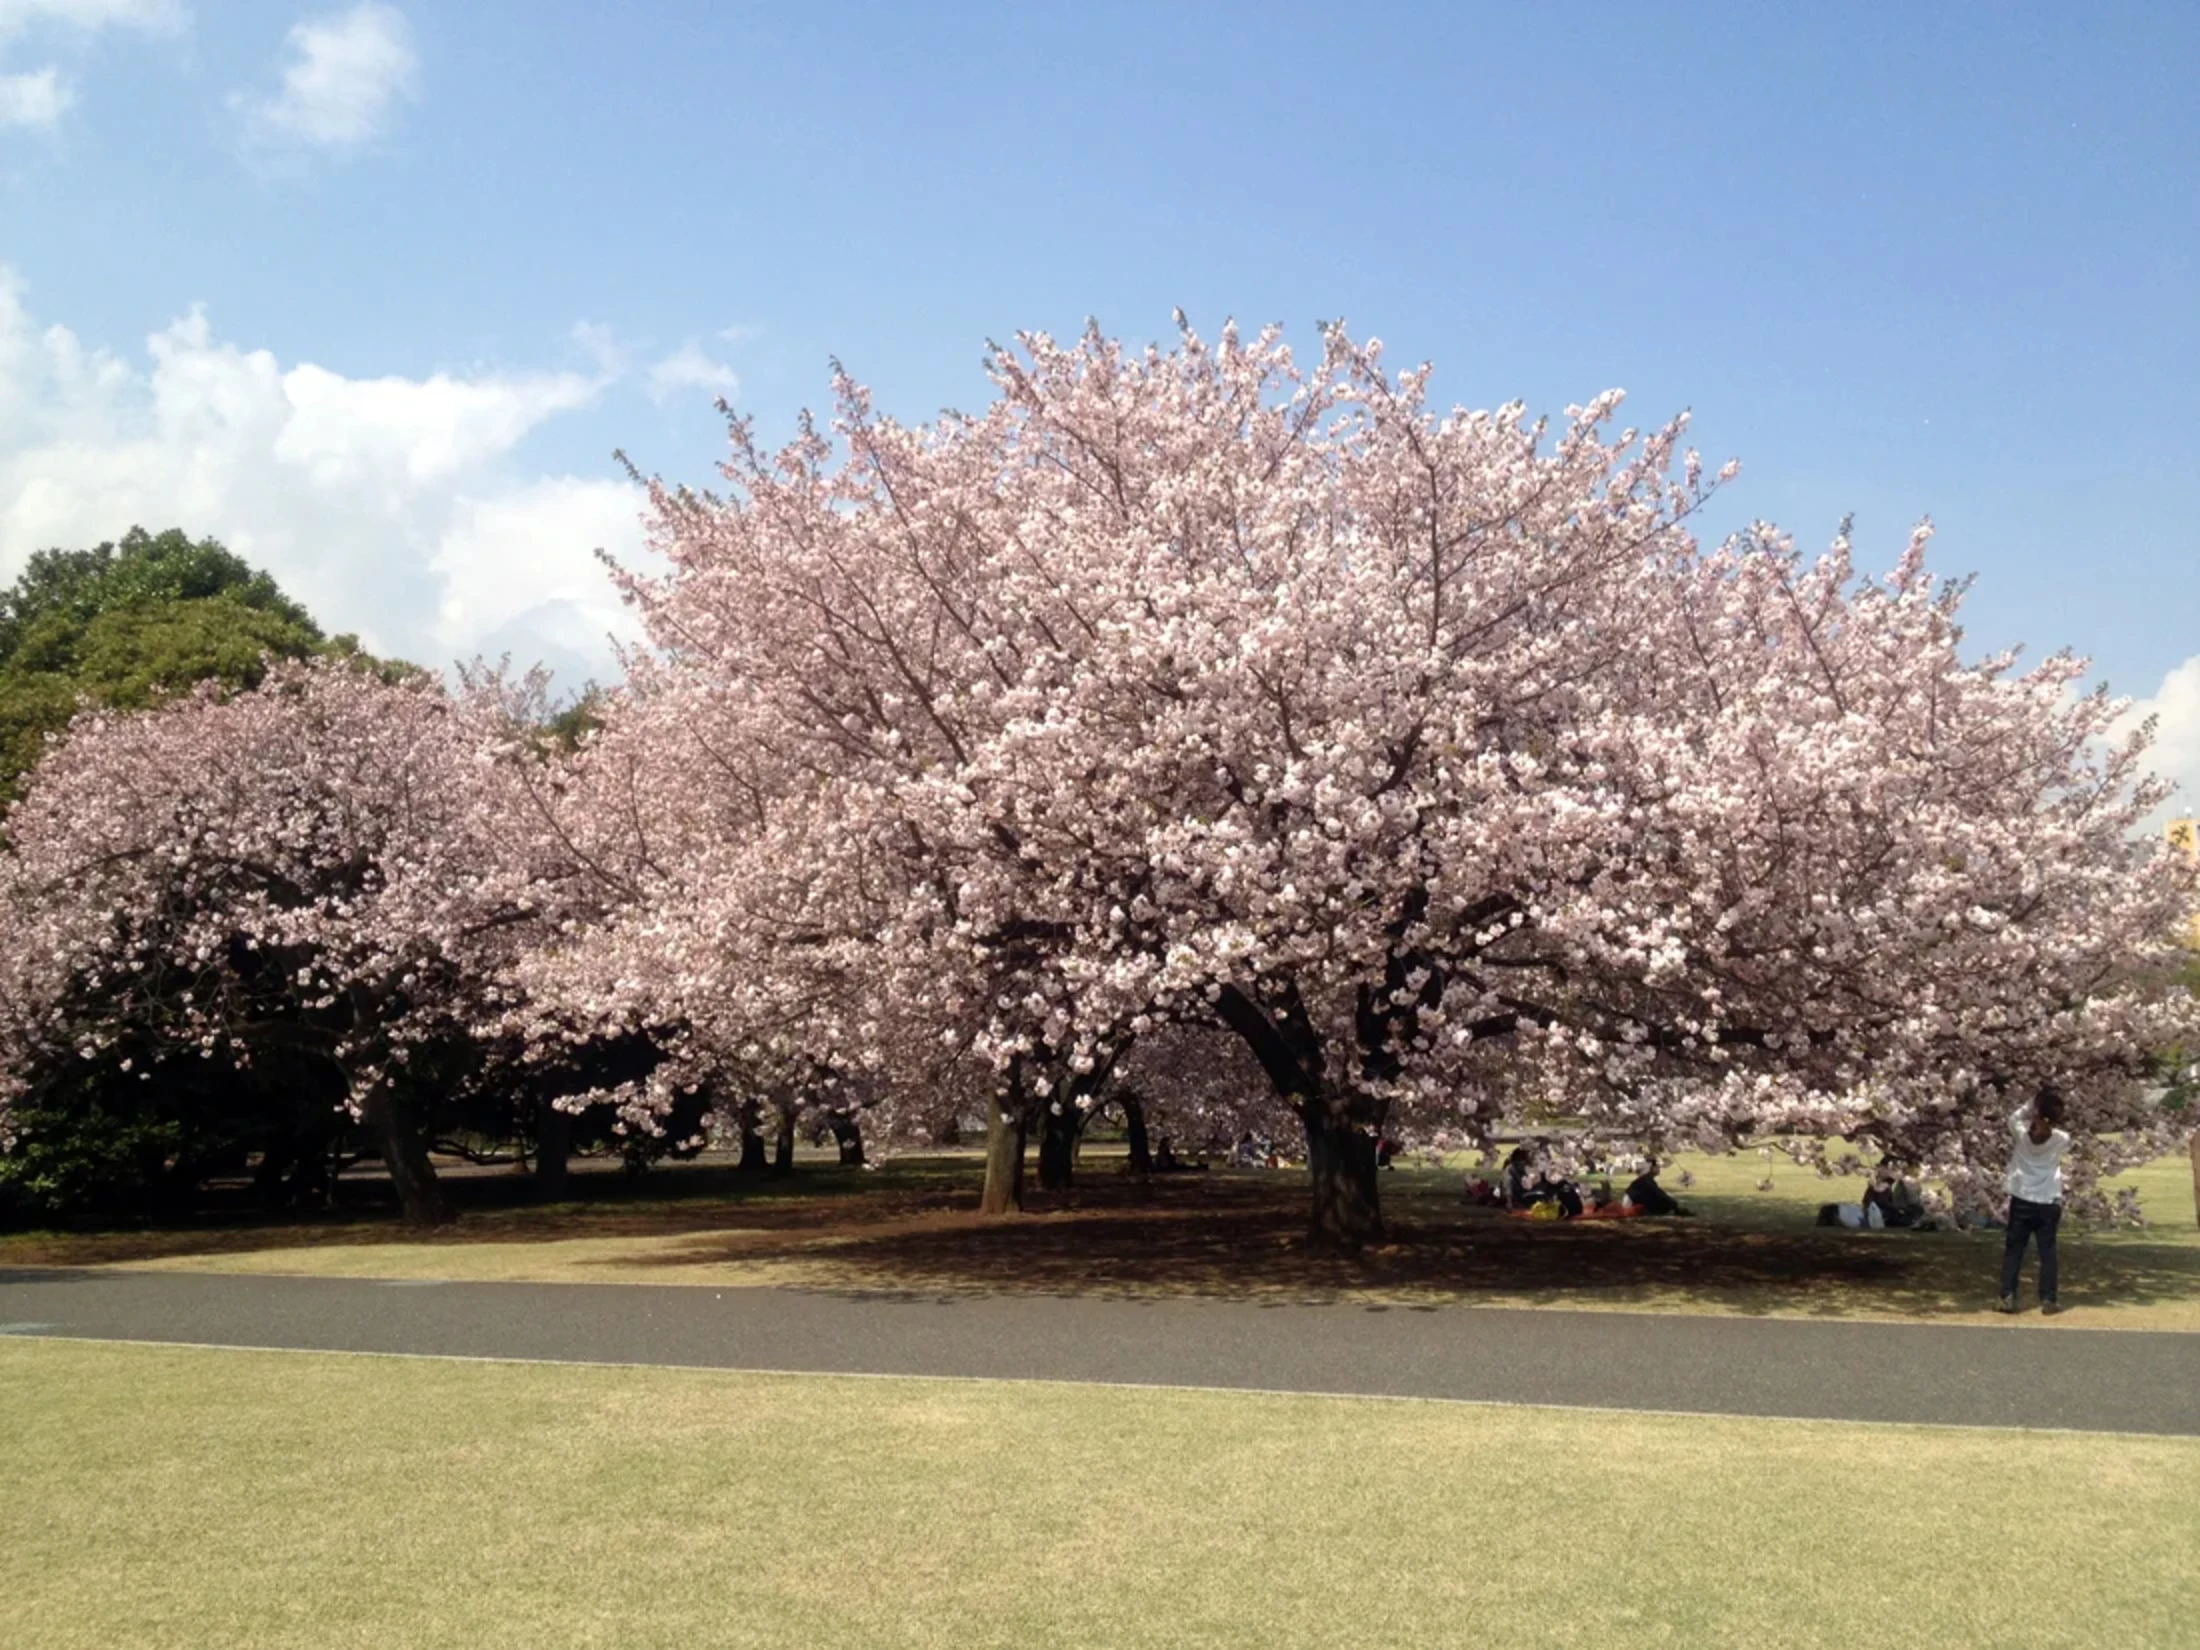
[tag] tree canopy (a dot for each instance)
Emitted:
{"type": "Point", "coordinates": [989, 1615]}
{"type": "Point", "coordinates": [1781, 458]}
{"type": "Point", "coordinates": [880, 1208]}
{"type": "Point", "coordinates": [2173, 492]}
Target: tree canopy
{"type": "Point", "coordinates": [1199, 728]}
{"type": "Point", "coordinates": [1428, 754]}
{"type": "Point", "coordinates": [126, 622]}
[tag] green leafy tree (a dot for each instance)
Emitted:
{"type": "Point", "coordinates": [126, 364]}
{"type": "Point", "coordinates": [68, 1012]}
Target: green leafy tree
{"type": "Point", "coordinates": [124, 623]}
{"type": "Point", "coordinates": [142, 570]}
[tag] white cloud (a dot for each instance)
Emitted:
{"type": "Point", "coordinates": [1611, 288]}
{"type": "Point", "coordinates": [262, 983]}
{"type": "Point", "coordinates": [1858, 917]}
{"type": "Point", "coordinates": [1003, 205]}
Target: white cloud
{"type": "Point", "coordinates": [36, 100]}
{"type": "Point", "coordinates": [149, 16]}
{"type": "Point", "coordinates": [394, 507]}
{"type": "Point", "coordinates": [601, 344]}
{"type": "Point", "coordinates": [2176, 752]}
{"type": "Point", "coordinates": [343, 430]}
{"type": "Point", "coordinates": [688, 368]}
{"type": "Point", "coordinates": [346, 74]}
{"type": "Point", "coordinates": [564, 606]}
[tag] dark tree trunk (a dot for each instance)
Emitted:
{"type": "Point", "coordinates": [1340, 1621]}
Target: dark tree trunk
{"type": "Point", "coordinates": [1340, 1154]}
{"type": "Point", "coordinates": [1340, 1157]}
{"type": "Point", "coordinates": [395, 1129]}
{"type": "Point", "coordinates": [1057, 1147]}
{"type": "Point", "coordinates": [754, 1159]}
{"type": "Point", "coordinates": [1004, 1155]}
{"type": "Point", "coordinates": [271, 1181]}
{"type": "Point", "coordinates": [553, 1151]}
{"type": "Point", "coordinates": [301, 1098]}
{"type": "Point", "coordinates": [312, 1181]}
{"type": "Point", "coordinates": [783, 1148]}
{"type": "Point", "coordinates": [848, 1136]}
{"type": "Point", "coordinates": [1134, 1122]}
{"type": "Point", "coordinates": [315, 1133]}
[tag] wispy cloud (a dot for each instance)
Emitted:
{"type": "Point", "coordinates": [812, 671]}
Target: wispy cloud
{"type": "Point", "coordinates": [37, 100]}
{"type": "Point", "coordinates": [689, 368]}
{"type": "Point", "coordinates": [346, 74]}
{"type": "Point", "coordinates": [151, 16]}
{"type": "Point", "coordinates": [601, 344]}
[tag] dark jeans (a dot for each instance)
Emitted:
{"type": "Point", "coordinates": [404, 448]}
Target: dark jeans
{"type": "Point", "coordinates": [2026, 1221]}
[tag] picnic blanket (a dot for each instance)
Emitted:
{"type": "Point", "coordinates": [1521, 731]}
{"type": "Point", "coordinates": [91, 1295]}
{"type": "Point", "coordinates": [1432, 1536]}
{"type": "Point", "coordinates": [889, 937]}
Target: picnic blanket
{"type": "Point", "coordinates": [1550, 1211]}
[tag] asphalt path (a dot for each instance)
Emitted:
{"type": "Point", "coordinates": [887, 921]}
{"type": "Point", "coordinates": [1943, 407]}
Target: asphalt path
{"type": "Point", "coordinates": [2017, 1375]}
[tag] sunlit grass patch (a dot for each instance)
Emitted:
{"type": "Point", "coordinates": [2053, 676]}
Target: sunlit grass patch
{"type": "Point", "coordinates": [203, 1499]}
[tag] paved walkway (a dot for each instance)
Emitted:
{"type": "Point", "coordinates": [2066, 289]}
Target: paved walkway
{"type": "Point", "coordinates": [2021, 1375]}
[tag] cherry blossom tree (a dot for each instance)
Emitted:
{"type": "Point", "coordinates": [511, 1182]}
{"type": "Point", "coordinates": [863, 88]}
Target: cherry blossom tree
{"type": "Point", "coordinates": [1431, 755]}
{"type": "Point", "coordinates": [323, 869]}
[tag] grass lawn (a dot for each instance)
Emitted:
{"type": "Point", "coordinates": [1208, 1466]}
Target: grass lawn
{"type": "Point", "coordinates": [200, 1499]}
{"type": "Point", "coordinates": [910, 1227]}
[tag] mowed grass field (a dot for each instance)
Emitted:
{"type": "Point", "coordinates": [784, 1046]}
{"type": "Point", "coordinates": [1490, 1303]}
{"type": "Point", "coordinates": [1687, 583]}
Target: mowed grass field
{"type": "Point", "coordinates": [160, 1496]}
{"type": "Point", "coordinates": [911, 1226]}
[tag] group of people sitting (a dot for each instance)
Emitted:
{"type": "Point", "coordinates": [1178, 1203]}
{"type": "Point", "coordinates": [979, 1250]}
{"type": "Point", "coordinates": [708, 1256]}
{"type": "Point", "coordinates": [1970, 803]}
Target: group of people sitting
{"type": "Point", "coordinates": [1529, 1185]}
{"type": "Point", "coordinates": [1895, 1202]}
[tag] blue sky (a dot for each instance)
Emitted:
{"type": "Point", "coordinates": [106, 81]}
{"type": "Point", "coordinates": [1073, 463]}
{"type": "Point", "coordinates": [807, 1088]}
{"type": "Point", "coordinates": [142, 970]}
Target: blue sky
{"type": "Point", "coordinates": [372, 291]}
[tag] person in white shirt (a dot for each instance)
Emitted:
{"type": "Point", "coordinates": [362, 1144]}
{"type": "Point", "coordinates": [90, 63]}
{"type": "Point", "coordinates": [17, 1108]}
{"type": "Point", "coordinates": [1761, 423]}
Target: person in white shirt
{"type": "Point", "coordinates": [2035, 1187]}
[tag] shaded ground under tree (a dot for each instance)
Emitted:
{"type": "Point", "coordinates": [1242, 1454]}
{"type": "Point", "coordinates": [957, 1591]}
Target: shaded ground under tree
{"type": "Point", "coordinates": [911, 1229]}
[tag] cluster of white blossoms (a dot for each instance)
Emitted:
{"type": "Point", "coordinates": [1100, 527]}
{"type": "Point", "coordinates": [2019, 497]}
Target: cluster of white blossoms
{"type": "Point", "coordinates": [1181, 697]}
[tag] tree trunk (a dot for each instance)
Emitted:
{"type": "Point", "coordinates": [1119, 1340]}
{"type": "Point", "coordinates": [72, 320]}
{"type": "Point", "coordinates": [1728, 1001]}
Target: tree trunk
{"type": "Point", "coordinates": [312, 1182]}
{"type": "Point", "coordinates": [271, 1180]}
{"type": "Point", "coordinates": [754, 1159]}
{"type": "Point", "coordinates": [1134, 1121]}
{"type": "Point", "coordinates": [1004, 1159]}
{"type": "Point", "coordinates": [1340, 1156]}
{"type": "Point", "coordinates": [1057, 1147]}
{"type": "Point", "coordinates": [848, 1136]}
{"type": "Point", "coordinates": [419, 1194]}
{"type": "Point", "coordinates": [783, 1149]}
{"type": "Point", "coordinates": [553, 1151]}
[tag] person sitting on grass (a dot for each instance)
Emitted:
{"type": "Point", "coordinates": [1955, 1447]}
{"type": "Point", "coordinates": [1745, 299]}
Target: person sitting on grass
{"type": "Point", "coordinates": [1523, 1181]}
{"type": "Point", "coordinates": [1900, 1200]}
{"type": "Point", "coordinates": [1644, 1193]}
{"type": "Point", "coordinates": [1857, 1217]}
{"type": "Point", "coordinates": [1567, 1194]}
{"type": "Point", "coordinates": [1530, 1180]}
{"type": "Point", "coordinates": [2035, 1186]}
{"type": "Point", "coordinates": [1165, 1161]}
{"type": "Point", "coordinates": [1898, 1204]}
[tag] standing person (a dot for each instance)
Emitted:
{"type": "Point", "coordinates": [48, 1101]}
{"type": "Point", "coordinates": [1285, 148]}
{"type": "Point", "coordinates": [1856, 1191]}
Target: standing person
{"type": "Point", "coordinates": [2035, 1187]}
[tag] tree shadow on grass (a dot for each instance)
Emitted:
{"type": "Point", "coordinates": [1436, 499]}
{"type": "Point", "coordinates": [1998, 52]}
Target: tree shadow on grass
{"type": "Point", "coordinates": [1243, 1238]}
{"type": "Point", "coordinates": [910, 1231]}
{"type": "Point", "coordinates": [503, 1208]}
